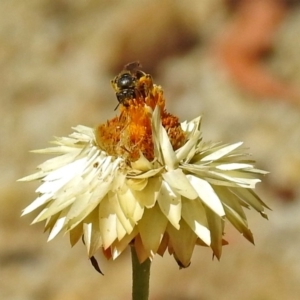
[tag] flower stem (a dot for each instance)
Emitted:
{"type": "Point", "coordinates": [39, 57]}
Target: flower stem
{"type": "Point", "coordinates": [140, 277]}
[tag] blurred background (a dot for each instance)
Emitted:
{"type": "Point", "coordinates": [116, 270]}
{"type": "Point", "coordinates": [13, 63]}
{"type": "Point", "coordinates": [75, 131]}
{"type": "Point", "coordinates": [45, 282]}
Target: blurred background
{"type": "Point", "coordinates": [234, 62]}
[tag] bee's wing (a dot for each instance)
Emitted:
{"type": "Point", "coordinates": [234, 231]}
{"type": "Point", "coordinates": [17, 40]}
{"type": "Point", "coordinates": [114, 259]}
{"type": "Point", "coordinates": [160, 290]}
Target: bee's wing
{"type": "Point", "coordinates": [133, 66]}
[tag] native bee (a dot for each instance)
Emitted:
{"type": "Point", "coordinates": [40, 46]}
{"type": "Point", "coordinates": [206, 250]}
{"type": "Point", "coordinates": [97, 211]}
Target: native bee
{"type": "Point", "coordinates": [131, 83]}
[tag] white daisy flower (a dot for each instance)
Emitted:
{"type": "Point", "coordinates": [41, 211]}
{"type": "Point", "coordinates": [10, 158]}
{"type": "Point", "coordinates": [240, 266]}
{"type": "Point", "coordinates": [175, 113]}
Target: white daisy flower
{"type": "Point", "coordinates": [145, 180]}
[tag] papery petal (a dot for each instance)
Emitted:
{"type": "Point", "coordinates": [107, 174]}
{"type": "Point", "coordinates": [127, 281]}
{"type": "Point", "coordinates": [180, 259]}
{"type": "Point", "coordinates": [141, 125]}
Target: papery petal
{"type": "Point", "coordinates": [216, 226]}
{"type": "Point", "coordinates": [59, 225]}
{"type": "Point", "coordinates": [107, 222]}
{"type": "Point", "coordinates": [239, 223]}
{"type": "Point", "coordinates": [183, 242]}
{"type": "Point", "coordinates": [59, 161]}
{"type": "Point", "coordinates": [136, 174]}
{"type": "Point", "coordinates": [191, 125]}
{"type": "Point", "coordinates": [163, 245]}
{"type": "Point", "coordinates": [170, 204]}
{"type": "Point", "coordinates": [142, 164]}
{"type": "Point", "coordinates": [126, 223]}
{"type": "Point", "coordinates": [148, 196]}
{"type": "Point", "coordinates": [224, 150]}
{"type": "Point", "coordinates": [151, 235]}
{"type": "Point", "coordinates": [58, 150]}
{"type": "Point", "coordinates": [194, 215]}
{"type": "Point", "coordinates": [75, 234]}
{"type": "Point", "coordinates": [140, 250]}
{"type": "Point", "coordinates": [249, 197]}
{"type": "Point", "coordinates": [91, 231]}
{"type": "Point", "coordinates": [39, 201]}
{"type": "Point", "coordinates": [180, 184]}
{"type": "Point", "coordinates": [85, 205]}
{"type": "Point", "coordinates": [185, 152]}
{"type": "Point", "coordinates": [240, 179]}
{"type": "Point", "coordinates": [132, 209]}
{"type": "Point", "coordinates": [50, 222]}
{"type": "Point", "coordinates": [121, 232]}
{"type": "Point", "coordinates": [207, 194]}
{"type": "Point", "coordinates": [162, 144]}
{"type": "Point", "coordinates": [137, 184]}
{"type": "Point", "coordinates": [119, 246]}
{"type": "Point", "coordinates": [233, 166]}
{"type": "Point", "coordinates": [231, 200]}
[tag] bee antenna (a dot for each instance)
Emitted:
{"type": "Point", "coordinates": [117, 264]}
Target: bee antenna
{"type": "Point", "coordinates": [117, 106]}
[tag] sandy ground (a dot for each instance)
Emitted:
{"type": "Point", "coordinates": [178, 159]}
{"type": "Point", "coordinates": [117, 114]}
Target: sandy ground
{"type": "Point", "coordinates": [57, 59]}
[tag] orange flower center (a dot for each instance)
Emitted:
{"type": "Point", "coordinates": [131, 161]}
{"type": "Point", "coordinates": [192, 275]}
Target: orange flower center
{"type": "Point", "coordinates": [130, 133]}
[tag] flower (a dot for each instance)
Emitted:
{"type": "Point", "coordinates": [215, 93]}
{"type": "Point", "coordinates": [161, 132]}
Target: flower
{"type": "Point", "coordinates": [146, 180]}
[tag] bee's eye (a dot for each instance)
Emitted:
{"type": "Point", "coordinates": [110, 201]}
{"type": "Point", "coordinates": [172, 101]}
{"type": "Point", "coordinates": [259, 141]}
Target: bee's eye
{"type": "Point", "coordinates": [125, 81]}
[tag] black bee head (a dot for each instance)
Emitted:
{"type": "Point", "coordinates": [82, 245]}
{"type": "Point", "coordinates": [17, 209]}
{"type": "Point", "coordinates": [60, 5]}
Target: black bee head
{"type": "Point", "coordinates": [125, 81]}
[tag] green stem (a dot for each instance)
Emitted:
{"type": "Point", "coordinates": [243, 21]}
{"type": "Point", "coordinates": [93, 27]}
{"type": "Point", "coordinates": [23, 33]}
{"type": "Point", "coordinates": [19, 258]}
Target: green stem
{"type": "Point", "coordinates": [140, 277]}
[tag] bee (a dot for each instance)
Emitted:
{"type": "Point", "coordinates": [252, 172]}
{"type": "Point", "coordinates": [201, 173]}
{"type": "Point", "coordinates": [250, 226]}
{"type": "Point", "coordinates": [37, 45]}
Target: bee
{"type": "Point", "coordinates": [129, 84]}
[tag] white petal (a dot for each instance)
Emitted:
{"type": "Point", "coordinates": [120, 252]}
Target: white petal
{"type": "Point", "coordinates": [119, 246]}
{"type": "Point", "coordinates": [87, 233]}
{"type": "Point", "coordinates": [37, 203]}
{"type": "Point", "coordinates": [83, 133]}
{"type": "Point", "coordinates": [121, 232]}
{"type": "Point", "coordinates": [207, 194]}
{"type": "Point", "coordinates": [56, 150]}
{"type": "Point", "coordinates": [179, 183]}
{"type": "Point", "coordinates": [219, 177]}
{"type": "Point", "coordinates": [78, 206]}
{"type": "Point", "coordinates": [148, 196]}
{"type": "Point", "coordinates": [170, 204]}
{"type": "Point", "coordinates": [84, 208]}
{"type": "Point", "coordinates": [192, 125]}
{"type": "Point", "coordinates": [59, 161]}
{"type": "Point", "coordinates": [162, 142]}
{"type": "Point", "coordinates": [57, 179]}
{"type": "Point", "coordinates": [84, 130]}
{"type": "Point", "coordinates": [194, 215]}
{"type": "Point", "coordinates": [87, 202]}
{"type": "Point", "coordinates": [147, 174]}
{"type": "Point", "coordinates": [34, 176]}
{"type": "Point", "coordinates": [152, 227]}
{"type": "Point", "coordinates": [64, 197]}
{"type": "Point", "coordinates": [239, 223]}
{"type": "Point", "coordinates": [249, 197]}
{"type": "Point", "coordinates": [230, 199]}
{"type": "Point", "coordinates": [168, 153]}
{"type": "Point", "coordinates": [130, 206]}
{"type": "Point", "coordinates": [64, 173]}
{"type": "Point", "coordinates": [221, 152]}
{"type": "Point", "coordinates": [216, 227]}
{"type": "Point", "coordinates": [137, 184]}
{"type": "Point", "coordinates": [91, 231]}
{"type": "Point", "coordinates": [107, 222]}
{"type": "Point", "coordinates": [96, 189]}
{"type": "Point", "coordinates": [233, 166]}
{"type": "Point", "coordinates": [184, 151]}
{"type": "Point", "coordinates": [54, 208]}
{"type": "Point", "coordinates": [238, 181]}
{"type": "Point", "coordinates": [142, 164]}
{"type": "Point", "coordinates": [58, 226]}
{"type": "Point", "coordinates": [75, 234]}
{"type": "Point", "coordinates": [127, 223]}
{"type": "Point", "coordinates": [183, 242]}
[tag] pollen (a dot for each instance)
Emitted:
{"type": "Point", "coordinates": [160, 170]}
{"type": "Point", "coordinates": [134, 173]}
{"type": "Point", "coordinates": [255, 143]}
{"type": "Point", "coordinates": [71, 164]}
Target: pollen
{"type": "Point", "coordinates": [130, 134]}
